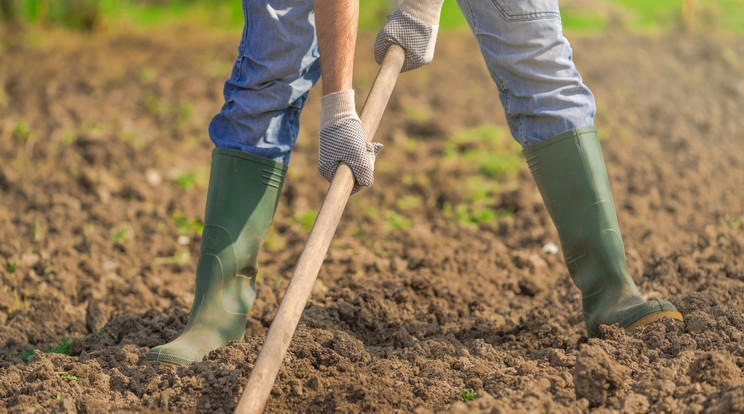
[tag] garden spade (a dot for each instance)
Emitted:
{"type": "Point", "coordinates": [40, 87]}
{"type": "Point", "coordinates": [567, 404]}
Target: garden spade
{"type": "Point", "coordinates": [308, 265]}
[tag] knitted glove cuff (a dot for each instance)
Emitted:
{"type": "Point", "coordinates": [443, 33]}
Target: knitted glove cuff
{"type": "Point", "coordinates": [427, 11]}
{"type": "Point", "coordinates": [336, 107]}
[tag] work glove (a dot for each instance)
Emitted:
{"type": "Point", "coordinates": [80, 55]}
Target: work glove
{"type": "Point", "coordinates": [342, 140]}
{"type": "Point", "coordinates": [414, 27]}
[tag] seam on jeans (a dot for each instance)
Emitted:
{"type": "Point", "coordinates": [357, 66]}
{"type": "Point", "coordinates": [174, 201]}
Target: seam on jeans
{"type": "Point", "coordinates": [503, 89]}
{"type": "Point", "coordinates": [476, 32]}
{"type": "Point", "coordinates": [517, 17]}
{"type": "Point", "coordinates": [292, 115]}
{"type": "Point", "coordinates": [244, 52]}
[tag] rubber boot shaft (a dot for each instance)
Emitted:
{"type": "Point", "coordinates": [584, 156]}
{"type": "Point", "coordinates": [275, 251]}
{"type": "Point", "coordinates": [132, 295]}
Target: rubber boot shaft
{"type": "Point", "coordinates": [243, 194]}
{"type": "Point", "coordinates": [570, 173]}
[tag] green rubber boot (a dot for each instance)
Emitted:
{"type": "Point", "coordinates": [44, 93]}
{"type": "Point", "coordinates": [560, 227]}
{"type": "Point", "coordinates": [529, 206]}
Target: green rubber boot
{"type": "Point", "coordinates": [242, 198]}
{"type": "Point", "coordinates": [570, 172]}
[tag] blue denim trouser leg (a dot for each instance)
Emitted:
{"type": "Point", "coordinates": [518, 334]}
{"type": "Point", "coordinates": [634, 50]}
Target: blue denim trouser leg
{"type": "Point", "coordinates": [277, 65]}
{"type": "Point", "coordinates": [531, 62]}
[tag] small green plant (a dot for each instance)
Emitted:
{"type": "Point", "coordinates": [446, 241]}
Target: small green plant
{"type": "Point", "coordinates": [467, 395]}
{"type": "Point", "coordinates": [68, 137]}
{"type": "Point", "coordinates": [307, 218]}
{"type": "Point", "coordinates": [418, 113]}
{"type": "Point", "coordinates": [277, 280]}
{"type": "Point", "coordinates": [497, 165]}
{"type": "Point", "coordinates": [734, 222]}
{"type": "Point", "coordinates": [58, 398]}
{"type": "Point", "coordinates": [152, 104]}
{"type": "Point", "coordinates": [147, 75]}
{"type": "Point", "coordinates": [20, 302]}
{"type": "Point", "coordinates": [472, 215]}
{"type": "Point", "coordinates": [396, 221]}
{"type": "Point", "coordinates": [65, 347]}
{"type": "Point", "coordinates": [37, 232]}
{"type": "Point", "coordinates": [180, 258]}
{"type": "Point", "coordinates": [275, 241]}
{"type": "Point", "coordinates": [433, 355]}
{"type": "Point", "coordinates": [22, 131]}
{"type": "Point", "coordinates": [120, 235]}
{"type": "Point", "coordinates": [65, 375]}
{"type": "Point", "coordinates": [12, 267]}
{"type": "Point", "coordinates": [187, 226]}
{"type": "Point", "coordinates": [190, 179]}
{"type": "Point", "coordinates": [27, 354]}
{"type": "Point", "coordinates": [408, 203]}
{"type": "Point", "coordinates": [185, 112]}
{"type": "Point", "coordinates": [135, 140]}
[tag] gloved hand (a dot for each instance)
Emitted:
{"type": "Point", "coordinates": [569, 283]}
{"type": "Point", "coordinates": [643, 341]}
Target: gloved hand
{"type": "Point", "coordinates": [342, 140]}
{"type": "Point", "coordinates": [414, 27]}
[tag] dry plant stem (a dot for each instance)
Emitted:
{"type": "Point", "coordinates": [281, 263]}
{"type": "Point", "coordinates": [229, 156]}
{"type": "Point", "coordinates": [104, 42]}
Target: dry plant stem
{"type": "Point", "coordinates": [282, 329]}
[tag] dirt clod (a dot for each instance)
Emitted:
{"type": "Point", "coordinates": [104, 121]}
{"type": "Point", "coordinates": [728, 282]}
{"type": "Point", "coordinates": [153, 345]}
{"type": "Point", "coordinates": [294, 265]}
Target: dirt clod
{"type": "Point", "coordinates": [597, 376]}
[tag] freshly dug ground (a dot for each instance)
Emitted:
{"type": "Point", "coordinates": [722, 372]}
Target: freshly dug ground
{"type": "Point", "coordinates": [442, 279]}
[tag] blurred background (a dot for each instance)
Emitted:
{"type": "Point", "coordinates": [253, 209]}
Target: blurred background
{"type": "Point", "coordinates": [446, 268]}
{"type": "Point", "coordinates": [578, 15]}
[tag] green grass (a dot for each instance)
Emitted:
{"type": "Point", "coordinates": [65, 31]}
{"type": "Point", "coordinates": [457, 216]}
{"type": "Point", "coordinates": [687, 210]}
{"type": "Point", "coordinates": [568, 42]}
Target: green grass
{"type": "Point", "coordinates": [489, 147]}
{"type": "Point", "coordinates": [486, 158]}
{"type": "Point", "coordinates": [584, 21]}
{"type": "Point", "coordinates": [65, 347]}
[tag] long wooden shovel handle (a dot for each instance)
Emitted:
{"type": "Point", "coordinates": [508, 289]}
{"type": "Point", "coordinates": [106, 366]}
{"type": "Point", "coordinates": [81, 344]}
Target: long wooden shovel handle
{"type": "Point", "coordinates": [267, 365]}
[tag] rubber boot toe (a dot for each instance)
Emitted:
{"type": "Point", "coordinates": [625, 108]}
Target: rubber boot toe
{"type": "Point", "coordinates": [192, 346]}
{"type": "Point", "coordinates": [634, 316]}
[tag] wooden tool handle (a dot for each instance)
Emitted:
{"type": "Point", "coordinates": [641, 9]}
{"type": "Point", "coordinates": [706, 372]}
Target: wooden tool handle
{"type": "Point", "coordinates": [282, 329]}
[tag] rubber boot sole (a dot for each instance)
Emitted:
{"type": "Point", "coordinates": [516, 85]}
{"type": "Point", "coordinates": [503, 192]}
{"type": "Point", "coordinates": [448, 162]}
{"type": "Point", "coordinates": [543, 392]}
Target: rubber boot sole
{"type": "Point", "coordinates": [170, 360]}
{"type": "Point", "coordinates": [649, 319]}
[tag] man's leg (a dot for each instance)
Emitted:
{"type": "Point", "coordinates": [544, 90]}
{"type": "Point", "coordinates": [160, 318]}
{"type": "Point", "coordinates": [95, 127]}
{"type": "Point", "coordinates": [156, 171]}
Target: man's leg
{"type": "Point", "coordinates": [551, 113]}
{"type": "Point", "coordinates": [254, 134]}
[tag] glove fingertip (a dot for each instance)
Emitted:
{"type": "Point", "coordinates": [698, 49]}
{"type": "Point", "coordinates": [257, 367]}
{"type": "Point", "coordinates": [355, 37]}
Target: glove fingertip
{"type": "Point", "coordinates": [374, 148]}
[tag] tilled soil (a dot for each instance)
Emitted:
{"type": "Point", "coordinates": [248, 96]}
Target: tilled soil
{"type": "Point", "coordinates": [440, 280]}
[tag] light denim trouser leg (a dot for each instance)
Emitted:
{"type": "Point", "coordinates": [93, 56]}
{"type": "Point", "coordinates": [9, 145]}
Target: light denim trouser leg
{"type": "Point", "coordinates": [531, 62]}
{"type": "Point", "coordinates": [276, 67]}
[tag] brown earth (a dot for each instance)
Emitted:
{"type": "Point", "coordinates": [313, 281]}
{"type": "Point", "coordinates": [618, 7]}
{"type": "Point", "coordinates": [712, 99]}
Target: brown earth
{"type": "Point", "coordinates": [437, 280]}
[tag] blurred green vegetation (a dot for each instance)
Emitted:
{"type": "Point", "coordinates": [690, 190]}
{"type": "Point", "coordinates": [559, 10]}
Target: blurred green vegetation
{"type": "Point", "coordinates": [578, 15]}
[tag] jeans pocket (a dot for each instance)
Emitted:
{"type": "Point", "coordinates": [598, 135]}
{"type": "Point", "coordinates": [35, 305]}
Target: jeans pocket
{"type": "Point", "coordinates": [525, 10]}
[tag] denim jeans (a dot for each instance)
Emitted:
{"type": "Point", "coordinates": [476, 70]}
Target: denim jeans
{"type": "Point", "coordinates": [277, 65]}
{"type": "Point", "coordinates": [521, 40]}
